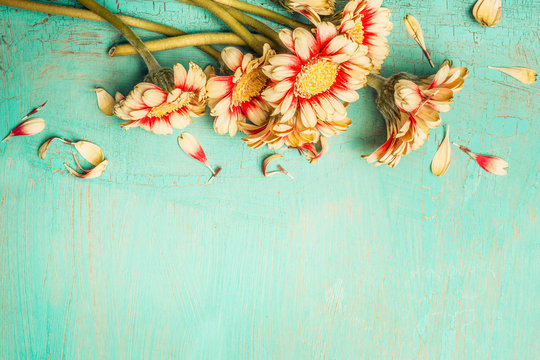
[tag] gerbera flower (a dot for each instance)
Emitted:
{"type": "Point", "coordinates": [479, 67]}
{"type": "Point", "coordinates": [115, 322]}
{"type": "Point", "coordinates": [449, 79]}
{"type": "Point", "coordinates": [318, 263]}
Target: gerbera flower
{"type": "Point", "coordinates": [411, 106]}
{"type": "Point", "coordinates": [233, 98]}
{"type": "Point", "coordinates": [322, 70]}
{"type": "Point", "coordinates": [367, 23]}
{"type": "Point", "coordinates": [154, 109]}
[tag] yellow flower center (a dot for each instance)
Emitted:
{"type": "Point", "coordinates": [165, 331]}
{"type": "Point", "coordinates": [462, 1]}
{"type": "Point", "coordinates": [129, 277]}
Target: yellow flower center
{"type": "Point", "coordinates": [168, 107]}
{"type": "Point", "coordinates": [250, 85]}
{"type": "Point", "coordinates": [356, 34]}
{"type": "Point", "coordinates": [316, 77]}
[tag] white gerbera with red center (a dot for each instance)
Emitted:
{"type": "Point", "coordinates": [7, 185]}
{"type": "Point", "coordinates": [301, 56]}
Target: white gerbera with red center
{"type": "Point", "coordinates": [154, 109]}
{"type": "Point", "coordinates": [234, 98]}
{"type": "Point", "coordinates": [322, 71]}
{"type": "Point", "coordinates": [367, 23]}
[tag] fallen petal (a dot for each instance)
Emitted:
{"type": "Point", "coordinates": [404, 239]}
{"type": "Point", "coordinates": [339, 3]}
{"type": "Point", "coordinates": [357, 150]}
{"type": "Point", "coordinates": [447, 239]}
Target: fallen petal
{"type": "Point", "coordinates": [90, 152]}
{"type": "Point", "coordinates": [491, 164]}
{"type": "Point", "coordinates": [526, 76]}
{"type": "Point", "coordinates": [415, 30]}
{"type": "Point", "coordinates": [268, 160]}
{"type": "Point", "coordinates": [192, 147]}
{"type": "Point", "coordinates": [92, 173]}
{"type": "Point", "coordinates": [35, 110]}
{"type": "Point", "coordinates": [105, 101]}
{"type": "Point", "coordinates": [42, 151]}
{"type": "Point", "coordinates": [443, 156]}
{"type": "Point", "coordinates": [29, 127]}
{"type": "Point", "coordinates": [487, 12]}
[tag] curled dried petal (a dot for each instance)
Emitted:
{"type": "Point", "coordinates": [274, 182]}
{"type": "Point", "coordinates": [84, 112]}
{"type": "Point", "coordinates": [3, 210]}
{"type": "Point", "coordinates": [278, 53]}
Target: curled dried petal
{"type": "Point", "coordinates": [487, 12]}
{"type": "Point", "coordinates": [491, 164]}
{"type": "Point", "coordinates": [90, 152]}
{"type": "Point", "coordinates": [268, 160]}
{"type": "Point", "coordinates": [443, 156]}
{"type": "Point", "coordinates": [415, 30]}
{"type": "Point", "coordinates": [105, 101]}
{"type": "Point", "coordinates": [29, 127]}
{"type": "Point", "coordinates": [524, 75]}
{"type": "Point", "coordinates": [42, 151]}
{"type": "Point", "coordinates": [192, 147]}
{"type": "Point", "coordinates": [89, 174]}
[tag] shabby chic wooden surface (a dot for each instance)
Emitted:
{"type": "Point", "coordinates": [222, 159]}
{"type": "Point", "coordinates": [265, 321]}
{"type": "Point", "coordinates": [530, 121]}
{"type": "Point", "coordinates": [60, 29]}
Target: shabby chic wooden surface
{"type": "Point", "coordinates": [347, 261]}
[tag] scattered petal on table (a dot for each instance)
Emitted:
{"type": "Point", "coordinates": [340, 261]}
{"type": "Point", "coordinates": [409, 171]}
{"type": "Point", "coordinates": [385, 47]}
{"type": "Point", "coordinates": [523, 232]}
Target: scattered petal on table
{"type": "Point", "coordinates": [415, 30]}
{"type": "Point", "coordinates": [443, 156]}
{"type": "Point", "coordinates": [267, 162]}
{"type": "Point", "coordinates": [526, 76]}
{"type": "Point", "coordinates": [487, 12]}
{"type": "Point", "coordinates": [29, 127]}
{"type": "Point", "coordinates": [105, 101]}
{"type": "Point", "coordinates": [89, 174]}
{"type": "Point", "coordinates": [491, 164]}
{"type": "Point", "coordinates": [35, 110]}
{"type": "Point", "coordinates": [90, 152]}
{"type": "Point", "coordinates": [192, 147]}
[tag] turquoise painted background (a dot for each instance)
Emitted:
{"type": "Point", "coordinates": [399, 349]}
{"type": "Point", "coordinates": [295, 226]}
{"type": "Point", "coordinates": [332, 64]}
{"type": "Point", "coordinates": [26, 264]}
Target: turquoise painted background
{"type": "Point", "coordinates": [347, 261]}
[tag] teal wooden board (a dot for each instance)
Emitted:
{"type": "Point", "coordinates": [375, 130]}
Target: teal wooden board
{"type": "Point", "coordinates": [347, 261]}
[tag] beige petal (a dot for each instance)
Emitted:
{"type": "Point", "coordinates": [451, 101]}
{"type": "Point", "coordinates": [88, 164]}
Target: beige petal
{"type": "Point", "coordinates": [526, 76]}
{"type": "Point", "coordinates": [105, 102]}
{"type": "Point", "coordinates": [42, 151]}
{"type": "Point", "coordinates": [415, 30]}
{"type": "Point", "coordinates": [487, 12]}
{"type": "Point", "coordinates": [443, 156]}
{"type": "Point", "coordinates": [90, 152]}
{"type": "Point", "coordinates": [268, 160]}
{"type": "Point", "coordinates": [31, 126]}
{"type": "Point", "coordinates": [91, 174]}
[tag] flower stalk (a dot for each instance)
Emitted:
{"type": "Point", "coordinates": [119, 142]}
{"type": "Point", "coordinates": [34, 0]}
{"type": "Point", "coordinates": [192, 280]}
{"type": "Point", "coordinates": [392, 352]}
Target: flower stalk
{"type": "Point", "coordinates": [184, 41]}
{"type": "Point", "coordinates": [88, 15]}
{"type": "Point", "coordinates": [264, 13]}
{"type": "Point", "coordinates": [229, 20]}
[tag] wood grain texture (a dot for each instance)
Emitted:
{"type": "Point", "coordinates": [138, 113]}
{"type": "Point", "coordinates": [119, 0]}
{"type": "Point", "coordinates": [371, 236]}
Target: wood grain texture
{"type": "Point", "coordinates": [347, 261]}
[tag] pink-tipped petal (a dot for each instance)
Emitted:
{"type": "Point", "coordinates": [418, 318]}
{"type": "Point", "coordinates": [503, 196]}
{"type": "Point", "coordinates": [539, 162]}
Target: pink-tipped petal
{"type": "Point", "coordinates": [192, 147]}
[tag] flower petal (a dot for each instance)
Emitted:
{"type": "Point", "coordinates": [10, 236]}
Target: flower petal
{"type": "Point", "coordinates": [31, 126]}
{"type": "Point", "coordinates": [91, 174]}
{"type": "Point", "coordinates": [105, 101]}
{"type": "Point", "coordinates": [443, 156]}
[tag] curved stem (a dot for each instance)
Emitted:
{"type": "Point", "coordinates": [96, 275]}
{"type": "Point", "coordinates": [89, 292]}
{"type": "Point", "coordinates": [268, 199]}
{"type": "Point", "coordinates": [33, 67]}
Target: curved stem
{"type": "Point", "coordinates": [256, 25]}
{"type": "Point", "coordinates": [265, 13]}
{"type": "Point", "coordinates": [88, 15]}
{"type": "Point", "coordinates": [125, 30]}
{"type": "Point", "coordinates": [184, 41]}
{"type": "Point", "coordinates": [230, 21]}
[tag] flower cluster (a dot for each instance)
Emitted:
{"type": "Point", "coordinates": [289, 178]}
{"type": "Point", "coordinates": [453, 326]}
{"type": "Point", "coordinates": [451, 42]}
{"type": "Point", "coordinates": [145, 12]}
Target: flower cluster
{"type": "Point", "coordinates": [411, 106]}
{"type": "Point", "coordinates": [279, 98]}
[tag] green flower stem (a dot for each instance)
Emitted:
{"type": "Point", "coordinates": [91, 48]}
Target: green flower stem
{"type": "Point", "coordinates": [149, 59]}
{"type": "Point", "coordinates": [256, 25]}
{"type": "Point", "coordinates": [264, 13]}
{"type": "Point", "coordinates": [88, 15]}
{"type": "Point", "coordinates": [230, 21]}
{"type": "Point", "coordinates": [185, 41]}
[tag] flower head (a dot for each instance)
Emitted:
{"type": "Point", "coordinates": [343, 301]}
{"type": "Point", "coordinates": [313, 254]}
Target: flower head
{"type": "Point", "coordinates": [411, 106]}
{"type": "Point", "coordinates": [154, 109]}
{"type": "Point", "coordinates": [309, 85]}
{"type": "Point", "coordinates": [367, 23]}
{"type": "Point", "coordinates": [235, 97]}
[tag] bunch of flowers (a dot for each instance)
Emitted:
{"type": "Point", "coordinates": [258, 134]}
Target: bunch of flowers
{"type": "Point", "coordinates": [292, 88]}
